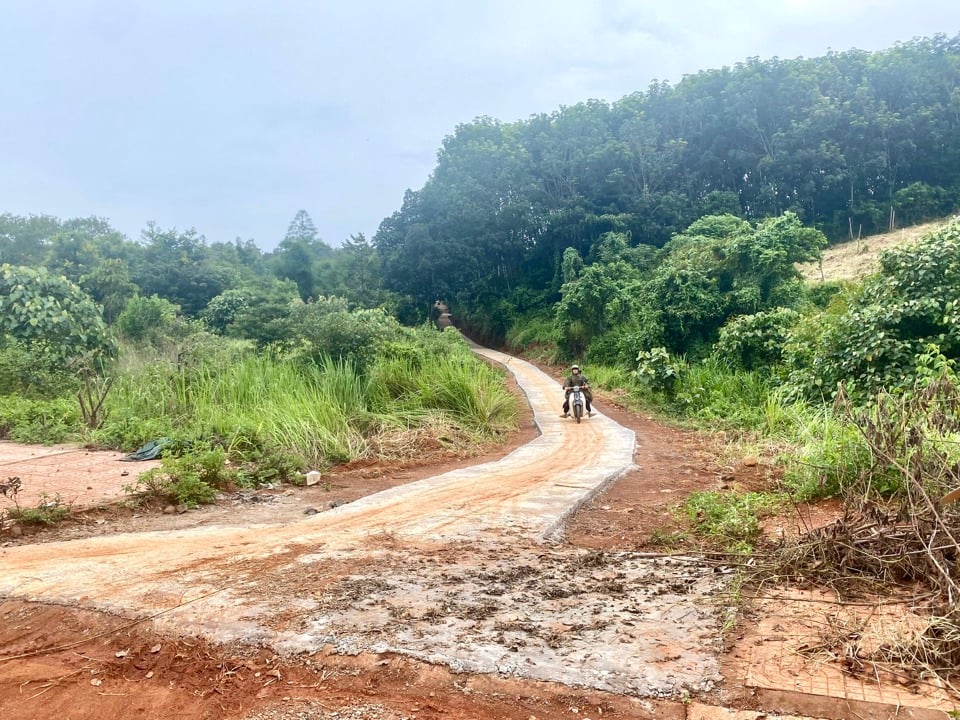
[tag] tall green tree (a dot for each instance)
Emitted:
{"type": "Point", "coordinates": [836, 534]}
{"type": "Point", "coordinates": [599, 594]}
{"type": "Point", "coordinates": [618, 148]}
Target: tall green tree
{"type": "Point", "coordinates": [175, 266]}
{"type": "Point", "coordinates": [50, 314]}
{"type": "Point", "coordinates": [297, 255]}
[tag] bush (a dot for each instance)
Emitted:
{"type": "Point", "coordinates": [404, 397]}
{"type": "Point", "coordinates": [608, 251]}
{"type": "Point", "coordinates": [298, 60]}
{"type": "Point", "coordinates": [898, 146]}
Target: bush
{"type": "Point", "coordinates": [658, 371]}
{"type": "Point", "coordinates": [146, 319]}
{"type": "Point", "coordinates": [39, 421]}
{"type": "Point", "coordinates": [754, 341]}
{"type": "Point", "coordinates": [329, 329]}
{"type": "Point", "coordinates": [32, 374]}
{"type": "Point", "coordinates": [876, 340]}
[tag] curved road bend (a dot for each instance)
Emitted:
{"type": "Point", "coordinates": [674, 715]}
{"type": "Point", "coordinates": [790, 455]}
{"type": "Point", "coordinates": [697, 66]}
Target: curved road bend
{"type": "Point", "coordinates": [527, 493]}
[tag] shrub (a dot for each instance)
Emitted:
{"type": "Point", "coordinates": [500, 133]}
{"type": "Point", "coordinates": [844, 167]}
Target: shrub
{"type": "Point", "coordinates": [38, 421]}
{"type": "Point", "coordinates": [47, 511]}
{"type": "Point", "coordinates": [876, 340]}
{"type": "Point", "coordinates": [146, 319]}
{"type": "Point", "coordinates": [754, 341]}
{"type": "Point", "coordinates": [658, 371]}
{"type": "Point", "coordinates": [27, 372]}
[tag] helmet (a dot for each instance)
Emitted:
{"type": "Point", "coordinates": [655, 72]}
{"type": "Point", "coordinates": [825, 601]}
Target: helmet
{"type": "Point", "coordinates": [574, 367]}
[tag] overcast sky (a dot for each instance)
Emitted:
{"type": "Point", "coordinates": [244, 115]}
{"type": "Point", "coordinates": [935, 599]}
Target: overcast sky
{"type": "Point", "coordinates": [229, 116]}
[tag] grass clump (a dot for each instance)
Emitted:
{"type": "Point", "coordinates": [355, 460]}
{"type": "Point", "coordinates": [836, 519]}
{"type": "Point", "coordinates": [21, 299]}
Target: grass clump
{"type": "Point", "coordinates": [48, 511]}
{"type": "Point", "coordinates": [318, 412]}
{"type": "Point", "coordinates": [730, 519]}
{"type": "Point", "coordinates": [829, 453]}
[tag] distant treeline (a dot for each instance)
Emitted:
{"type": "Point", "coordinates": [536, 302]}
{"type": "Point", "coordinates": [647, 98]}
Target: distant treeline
{"type": "Point", "coordinates": [848, 143]}
{"type": "Point", "coordinates": [851, 142]}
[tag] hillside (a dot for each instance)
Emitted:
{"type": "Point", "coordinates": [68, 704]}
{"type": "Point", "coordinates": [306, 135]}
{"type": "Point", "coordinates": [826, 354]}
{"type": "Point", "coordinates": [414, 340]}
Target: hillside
{"type": "Point", "coordinates": [857, 258]}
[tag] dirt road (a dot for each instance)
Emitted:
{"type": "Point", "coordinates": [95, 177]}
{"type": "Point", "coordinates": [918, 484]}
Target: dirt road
{"type": "Point", "coordinates": [452, 597]}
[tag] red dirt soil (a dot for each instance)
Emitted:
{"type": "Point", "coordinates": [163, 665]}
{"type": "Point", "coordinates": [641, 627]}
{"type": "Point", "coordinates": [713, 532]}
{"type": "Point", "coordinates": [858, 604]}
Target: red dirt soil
{"type": "Point", "coordinates": [60, 663]}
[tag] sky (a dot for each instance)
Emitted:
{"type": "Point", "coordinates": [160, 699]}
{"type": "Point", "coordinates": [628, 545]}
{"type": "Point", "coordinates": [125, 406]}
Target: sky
{"type": "Point", "coordinates": [229, 116]}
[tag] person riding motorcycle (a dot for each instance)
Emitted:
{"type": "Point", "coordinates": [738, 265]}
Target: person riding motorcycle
{"type": "Point", "coordinates": [575, 379]}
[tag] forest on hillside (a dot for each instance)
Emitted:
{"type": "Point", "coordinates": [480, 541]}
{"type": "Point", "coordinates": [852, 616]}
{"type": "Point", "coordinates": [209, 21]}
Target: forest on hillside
{"type": "Point", "coordinates": [851, 142]}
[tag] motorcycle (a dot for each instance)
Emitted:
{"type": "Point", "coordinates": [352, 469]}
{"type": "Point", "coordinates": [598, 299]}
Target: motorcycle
{"type": "Point", "coordinates": [577, 402]}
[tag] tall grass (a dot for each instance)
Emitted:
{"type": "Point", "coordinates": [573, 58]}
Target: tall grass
{"type": "Point", "coordinates": [828, 454]}
{"type": "Point", "coordinates": [324, 413]}
{"type": "Point", "coordinates": [716, 395]}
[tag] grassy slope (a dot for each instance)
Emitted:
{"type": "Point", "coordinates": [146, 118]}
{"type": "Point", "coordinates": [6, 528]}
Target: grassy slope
{"type": "Point", "coordinates": [856, 258]}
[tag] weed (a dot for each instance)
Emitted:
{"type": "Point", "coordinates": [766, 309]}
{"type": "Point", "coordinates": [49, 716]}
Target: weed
{"type": "Point", "coordinates": [729, 518]}
{"type": "Point", "coordinates": [666, 539]}
{"type": "Point", "coordinates": [48, 511]}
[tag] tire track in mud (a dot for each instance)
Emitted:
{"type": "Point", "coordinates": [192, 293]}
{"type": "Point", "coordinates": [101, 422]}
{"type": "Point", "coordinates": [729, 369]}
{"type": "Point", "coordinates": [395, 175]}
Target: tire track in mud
{"type": "Point", "coordinates": [261, 584]}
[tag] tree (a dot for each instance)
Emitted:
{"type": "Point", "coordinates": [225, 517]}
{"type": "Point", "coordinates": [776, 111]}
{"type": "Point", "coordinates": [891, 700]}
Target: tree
{"type": "Point", "coordinates": [297, 255]}
{"type": "Point", "coordinates": [175, 266]}
{"type": "Point", "coordinates": [720, 267]}
{"type": "Point", "coordinates": [50, 313]}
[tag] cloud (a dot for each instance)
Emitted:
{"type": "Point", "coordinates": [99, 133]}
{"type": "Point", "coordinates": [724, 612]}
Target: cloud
{"type": "Point", "coordinates": [231, 116]}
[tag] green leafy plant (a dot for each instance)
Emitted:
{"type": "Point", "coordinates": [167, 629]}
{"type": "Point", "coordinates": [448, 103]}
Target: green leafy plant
{"type": "Point", "coordinates": [878, 337]}
{"type": "Point", "coordinates": [755, 341]}
{"type": "Point", "coordinates": [49, 510]}
{"type": "Point", "coordinates": [38, 421]}
{"type": "Point", "coordinates": [50, 313]}
{"type": "Point", "coordinates": [659, 371]}
{"type": "Point", "coordinates": [729, 518]}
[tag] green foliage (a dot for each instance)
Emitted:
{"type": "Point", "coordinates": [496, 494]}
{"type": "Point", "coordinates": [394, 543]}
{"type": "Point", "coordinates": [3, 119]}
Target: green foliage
{"type": "Point", "coordinates": [261, 408]}
{"type": "Point", "coordinates": [595, 298]}
{"type": "Point", "coordinates": [571, 265]}
{"type": "Point", "coordinates": [755, 341]}
{"type": "Point", "coordinates": [47, 511]}
{"type": "Point", "coordinates": [49, 313]}
{"type": "Point", "coordinates": [45, 421]}
{"type": "Point", "coordinates": [471, 391]}
{"type": "Point", "coordinates": [179, 267]}
{"type": "Point", "coordinates": [874, 341]}
{"type": "Point", "coordinates": [829, 454]}
{"type": "Point", "coordinates": [263, 312]}
{"type": "Point", "coordinates": [175, 482]}
{"type": "Point", "coordinates": [328, 328]}
{"type": "Point", "coordinates": [820, 294]}
{"type": "Point", "coordinates": [721, 267]}
{"type": "Point", "coordinates": [658, 371]}
{"type": "Point", "coordinates": [730, 519]}
{"type": "Point", "coordinates": [147, 319]}
{"type": "Point", "coordinates": [29, 372]}
{"type": "Point", "coordinates": [530, 332]}
{"type": "Point", "coordinates": [258, 467]}
{"type": "Point", "coordinates": [919, 202]}
{"type": "Point", "coordinates": [716, 395]}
